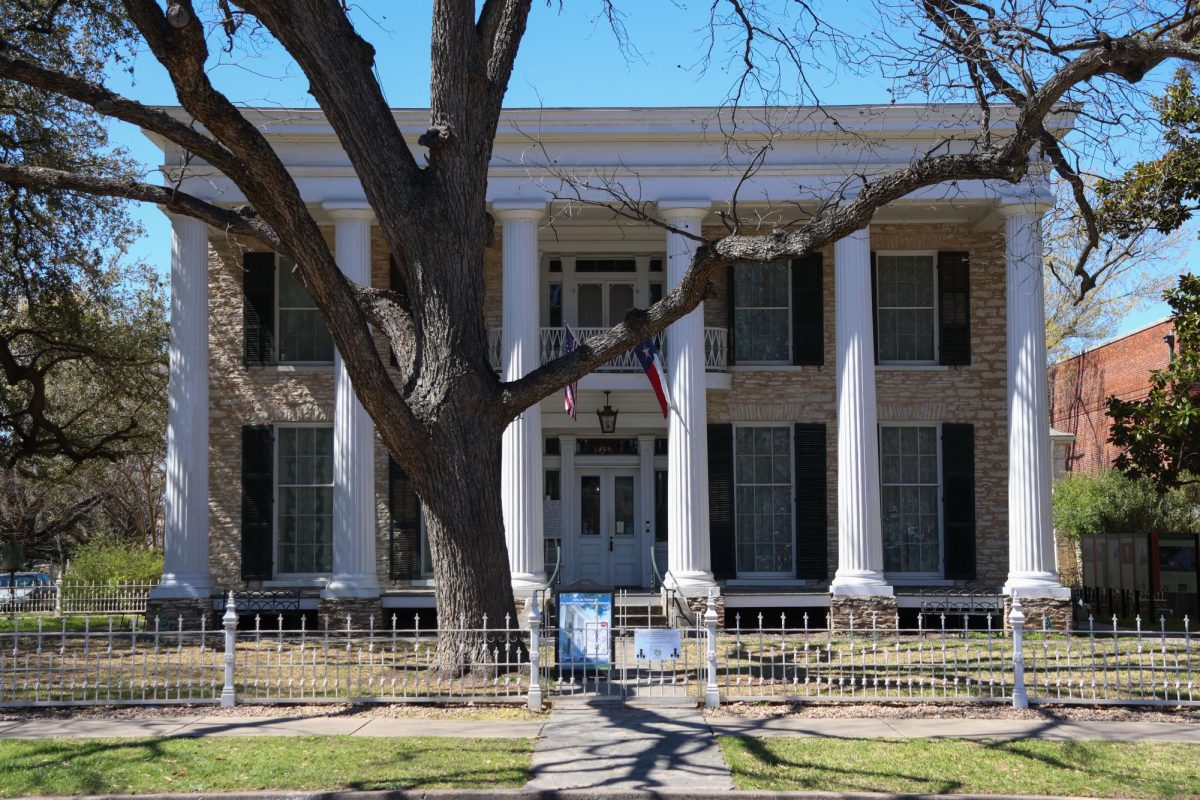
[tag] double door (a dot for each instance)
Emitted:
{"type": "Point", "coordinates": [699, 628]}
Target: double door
{"type": "Point", "coordinates": [607, 544]}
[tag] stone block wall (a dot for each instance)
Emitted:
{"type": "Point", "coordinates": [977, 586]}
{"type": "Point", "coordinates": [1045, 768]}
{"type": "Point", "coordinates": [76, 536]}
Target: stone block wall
{"type": "Point", "coordinates": [243, 395]}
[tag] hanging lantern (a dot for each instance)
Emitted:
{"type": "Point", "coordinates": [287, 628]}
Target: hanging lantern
{"type": "Point", "coordinates": [608, 417]}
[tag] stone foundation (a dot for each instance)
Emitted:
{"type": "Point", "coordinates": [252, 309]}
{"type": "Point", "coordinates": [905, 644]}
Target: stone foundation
{"type": "Point", "coordinates": [169, 610]}
{"type": "Point", "coordinates": [699, 605]}
{"type": "Point", "coordinates": [866, 610]}
{"type": "Point", "coordinates": [1057, 612]}
{"type": "Point", "coordinates": [362, 611]}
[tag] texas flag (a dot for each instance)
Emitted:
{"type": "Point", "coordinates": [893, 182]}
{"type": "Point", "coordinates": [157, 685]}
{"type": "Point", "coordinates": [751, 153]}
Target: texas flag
{"type": "Point", "coordinates": [647, 356]}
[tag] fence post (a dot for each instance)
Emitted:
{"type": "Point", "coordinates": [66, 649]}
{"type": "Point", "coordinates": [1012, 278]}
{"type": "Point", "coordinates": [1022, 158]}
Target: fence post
{"type": "Point", "coordinates": [58, 587]}
{"type": "Point", "coordinates": [535, 655]}
{"type": "Point", "coordinates": [230, 620]}
{"type": "Point", "coordinates": [712, 693]}
{"type": "Point", "coordinates": [1016, 618]}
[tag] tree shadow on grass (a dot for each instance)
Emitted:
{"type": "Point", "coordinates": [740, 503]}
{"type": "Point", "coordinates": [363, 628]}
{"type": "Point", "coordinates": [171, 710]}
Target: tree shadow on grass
{"type": "Point", "coordinates": [835, 779]}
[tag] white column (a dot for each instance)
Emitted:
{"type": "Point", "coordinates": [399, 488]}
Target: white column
{"type": "Point", "coordinates": [185, 533]}
{"type": "Point", "coordinates": [689, 560]}
{"type": "Point", "coordinates": [1030, 530]}
{"type": "Point", "coordinates": [860, 537]}
{"type": "Point", "coordinates": [354, 572]}
{"type": "Point", "coordinates": [521, 452]}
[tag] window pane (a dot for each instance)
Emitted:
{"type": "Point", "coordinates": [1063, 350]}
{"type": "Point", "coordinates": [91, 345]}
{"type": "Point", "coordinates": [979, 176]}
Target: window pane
{"type": "Point", "coordinates": [905, 316]}
{"type": "Point", "coordinates": [761, 318]}
{"type": "Point", "coordinates": [763, 499]}
{"type": "Point", "coordinates": [304, 527]}
{"type": "Point", "coordinates": [591, 305]}
{"type": "Point", "coordinates": [620, 300]}
{"type": "Point", "coordinates": [909, 499]}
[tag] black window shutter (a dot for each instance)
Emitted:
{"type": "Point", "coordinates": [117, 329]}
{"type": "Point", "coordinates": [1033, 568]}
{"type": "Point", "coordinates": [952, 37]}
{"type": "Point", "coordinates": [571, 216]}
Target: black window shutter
{"type": "Point", "coordinates": [258, 308]}
{"type": "Point", "coordinates": [954, 308]}
{"type": "Point", "coordinates": [404, 534]}
{"type": "Point", "coordinates": [874, 307]}
{"type": "Point", "coordinates": [731, 315]}
{"type": "Point", "coordinates": [958, 500]}
{"type": "Point", "coordinates": [258, 491]}
{"type": "Point", "coordinates": [812, 515]}
{"type": "Point", "coordinates": [808, 311]}
{"type": "Point", "coordinates": [722, 545]}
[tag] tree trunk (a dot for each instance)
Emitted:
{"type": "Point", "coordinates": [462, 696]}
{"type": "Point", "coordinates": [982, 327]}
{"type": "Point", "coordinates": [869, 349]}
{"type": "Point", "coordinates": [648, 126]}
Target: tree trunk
{"type": "Point", "coordinates": [465, 526]}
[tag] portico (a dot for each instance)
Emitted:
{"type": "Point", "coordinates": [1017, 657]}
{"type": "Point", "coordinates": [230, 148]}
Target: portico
{"type": "Point", "coordinates": [857, 422]}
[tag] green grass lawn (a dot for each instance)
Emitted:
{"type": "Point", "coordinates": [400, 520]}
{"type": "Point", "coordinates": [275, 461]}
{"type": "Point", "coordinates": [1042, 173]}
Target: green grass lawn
{"type": "Point", "coordinates": [234, 763]}
{"type": "Point", "coordinates": [1085, 768]}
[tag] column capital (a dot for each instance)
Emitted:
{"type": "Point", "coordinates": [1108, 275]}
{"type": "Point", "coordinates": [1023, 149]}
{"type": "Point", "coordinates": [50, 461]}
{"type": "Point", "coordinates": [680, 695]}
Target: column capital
{"type": "Point", "coordinates": [684, 208]}
{"type": "Point", "coordinates": [1023, 206]}
{"type": "Point", "coordinates": [349, 209]}
{"type": "Point", "coordinates": [514, 209]}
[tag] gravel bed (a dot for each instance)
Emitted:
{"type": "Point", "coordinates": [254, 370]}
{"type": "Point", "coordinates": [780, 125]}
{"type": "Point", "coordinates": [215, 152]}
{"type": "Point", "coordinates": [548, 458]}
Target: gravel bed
{"type": "Point", "coordinates": [466, 711]}
{"type": "Point", "coordinates": [1181, 714]}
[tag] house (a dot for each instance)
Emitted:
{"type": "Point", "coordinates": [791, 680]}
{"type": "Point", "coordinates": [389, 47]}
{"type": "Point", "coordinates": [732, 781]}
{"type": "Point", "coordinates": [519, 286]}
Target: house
{"type": "Point", "coordinates": [1081, 385]}
{"type": "Point", "coordinates": [849, 429]}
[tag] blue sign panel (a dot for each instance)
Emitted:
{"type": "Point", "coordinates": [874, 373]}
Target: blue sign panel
{"type": "Point", "coordinates": [584, 631]}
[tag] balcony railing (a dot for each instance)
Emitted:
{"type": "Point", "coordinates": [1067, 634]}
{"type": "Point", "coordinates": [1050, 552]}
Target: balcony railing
{"type": "Point", "coordinates": [716, 348]}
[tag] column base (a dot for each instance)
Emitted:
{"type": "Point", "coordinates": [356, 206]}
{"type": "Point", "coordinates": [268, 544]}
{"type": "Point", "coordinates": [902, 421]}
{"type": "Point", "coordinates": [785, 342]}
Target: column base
{"type": "Point", "coordinates": [1054, 613]}
{"type": "Point", "coordinates": [363, 612]}
{"type": "Point", "coordinates": [860, 583]}
{"type": "Point", "coordinates": [526, 584]}
{"type": "Point", "coordinates": [168, 611]}
{"type": "Point", "coordinates": [692, 584]}
{"type": "Point", "coordinates": [862, 611]}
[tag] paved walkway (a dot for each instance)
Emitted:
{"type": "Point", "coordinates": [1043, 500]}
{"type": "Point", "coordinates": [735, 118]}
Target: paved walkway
{"type": "Point", "coordinates": [200, 725]}
{"type": "Point", "coordinates": [613, 746]}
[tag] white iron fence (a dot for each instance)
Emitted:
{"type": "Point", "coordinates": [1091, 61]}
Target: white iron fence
{"type": "Point", "coordinates": [77, 598]}
{"type": "Point", "coordinates": [59, 662]}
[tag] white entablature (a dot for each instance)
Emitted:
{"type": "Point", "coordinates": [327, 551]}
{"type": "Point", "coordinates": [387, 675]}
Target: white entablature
{"type": "Point", "coordinates": [659, 153]}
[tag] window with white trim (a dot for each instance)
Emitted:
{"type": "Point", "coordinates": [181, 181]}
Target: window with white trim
{"type": "Point", "coordinates": [303, 337]}
{"type": "Point", "coordinates": [762, 320]}
{"type": "Point", "coordinates": [763, 499]}
{"type": "Point", "coordinates": [304, 500]}
{"type": "Point", "coordinates": [910, 486]}
{"type": "Point", "coordinates": [905, 293]}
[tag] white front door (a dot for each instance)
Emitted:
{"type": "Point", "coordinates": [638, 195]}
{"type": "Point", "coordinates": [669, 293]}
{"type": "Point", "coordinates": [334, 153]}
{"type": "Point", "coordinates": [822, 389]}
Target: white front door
{"type": "Point", "coordinates": [608, 548]}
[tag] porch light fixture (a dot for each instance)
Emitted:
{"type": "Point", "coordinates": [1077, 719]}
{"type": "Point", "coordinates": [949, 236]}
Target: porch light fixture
{"type": "Point", "coordinates": [608, 417]}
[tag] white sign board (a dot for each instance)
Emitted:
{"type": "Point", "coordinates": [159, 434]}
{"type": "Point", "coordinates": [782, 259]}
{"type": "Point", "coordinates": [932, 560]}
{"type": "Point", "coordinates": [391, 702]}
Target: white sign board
{"type": "Point", "coordinates": [656, 645]}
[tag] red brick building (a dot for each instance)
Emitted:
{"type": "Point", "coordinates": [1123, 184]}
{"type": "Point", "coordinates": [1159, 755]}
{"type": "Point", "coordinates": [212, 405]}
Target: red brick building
{"type": "Point", "coordinates": [1080, 388]}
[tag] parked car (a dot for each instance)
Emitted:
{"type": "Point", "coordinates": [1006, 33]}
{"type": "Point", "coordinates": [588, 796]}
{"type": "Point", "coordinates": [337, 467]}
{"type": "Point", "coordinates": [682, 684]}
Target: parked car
{"type": "Point", "coordinates": [21, 588]}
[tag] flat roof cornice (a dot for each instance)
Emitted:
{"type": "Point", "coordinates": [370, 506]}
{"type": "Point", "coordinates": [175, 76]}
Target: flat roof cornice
{"type": "Point", "coordinates": [678, 123]}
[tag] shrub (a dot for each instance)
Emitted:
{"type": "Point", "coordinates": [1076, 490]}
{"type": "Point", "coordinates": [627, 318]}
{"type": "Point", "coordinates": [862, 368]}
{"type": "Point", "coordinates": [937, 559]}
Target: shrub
{"type": "Point", "coordinates": [1113, 502]}
{"type": "Point", "coordinates": [110, 560]}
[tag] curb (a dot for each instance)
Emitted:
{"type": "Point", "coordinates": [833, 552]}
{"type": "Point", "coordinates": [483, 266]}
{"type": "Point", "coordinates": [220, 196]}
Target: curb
{"type": "Point", "coordinates": [561, 794]}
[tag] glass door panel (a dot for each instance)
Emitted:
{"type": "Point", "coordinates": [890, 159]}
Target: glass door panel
{"type": "Point", "coordinates": [591, 305]}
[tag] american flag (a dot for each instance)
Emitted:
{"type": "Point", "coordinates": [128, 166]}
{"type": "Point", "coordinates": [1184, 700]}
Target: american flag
{"type": "Point", "coordinates": [571, 389]}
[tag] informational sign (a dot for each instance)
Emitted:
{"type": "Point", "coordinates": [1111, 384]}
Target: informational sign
{"type": "Point", "coordinates": [656, 644]}
{"type": "Point", "coordinates": [552, 518]}
{"type": "Point", "coordinates": [584, 631]}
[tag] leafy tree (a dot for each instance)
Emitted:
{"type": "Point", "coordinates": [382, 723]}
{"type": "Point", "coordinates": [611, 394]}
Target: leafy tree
{"type": "Point", "coordinates": [1159, 436]}
{"type": "Point", "coordinates": [109, 559]}
{"type": "Point", "coordinates": [1114, 502]}
{"type": "Point", "coordinates": [82, 330]}
{"type": "Point", "coordinates": [443, 417]}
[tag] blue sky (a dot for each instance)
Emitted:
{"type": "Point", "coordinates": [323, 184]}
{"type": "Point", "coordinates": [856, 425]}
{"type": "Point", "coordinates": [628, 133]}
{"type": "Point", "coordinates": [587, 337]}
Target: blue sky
{"type": "Point", "coordinates": [568, 58]}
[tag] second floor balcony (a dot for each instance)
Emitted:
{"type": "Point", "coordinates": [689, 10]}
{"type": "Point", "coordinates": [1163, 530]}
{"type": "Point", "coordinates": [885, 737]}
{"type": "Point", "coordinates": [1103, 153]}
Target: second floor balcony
{"type": "Point", "coordinates": [551, 342]}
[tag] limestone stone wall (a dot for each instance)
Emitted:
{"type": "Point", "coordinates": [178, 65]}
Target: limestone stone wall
{"type": "Point", "coordinates": [974, 394]}
{"type": "Point", "coordinates": [243, 395]}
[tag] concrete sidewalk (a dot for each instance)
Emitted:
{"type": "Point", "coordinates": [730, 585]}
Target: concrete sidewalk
{"type": "Point", "coordinates": [200, 725]}
{"type": "Point", "coordinates": [618, 720]}
{"type": "Point", "coordinates": [1057, 730]}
